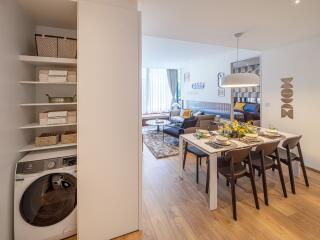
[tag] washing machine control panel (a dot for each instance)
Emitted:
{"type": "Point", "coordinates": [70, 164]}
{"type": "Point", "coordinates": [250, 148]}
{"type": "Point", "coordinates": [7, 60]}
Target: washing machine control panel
{"type": "Point", "coordinates": [45, 164]}
{"type": "Point", "coordinates": [70, 161]}
{"type": "Point", "coordinates": [51, 164]}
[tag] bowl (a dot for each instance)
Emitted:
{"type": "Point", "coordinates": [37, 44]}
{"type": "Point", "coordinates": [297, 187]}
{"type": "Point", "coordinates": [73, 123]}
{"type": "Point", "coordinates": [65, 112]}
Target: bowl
{"type": "Point", "coordinates": [272, 131]}
{"type": "Point", "coordinates": [221, 139]}
{"type": "Point", "coordinates": [251, 135]}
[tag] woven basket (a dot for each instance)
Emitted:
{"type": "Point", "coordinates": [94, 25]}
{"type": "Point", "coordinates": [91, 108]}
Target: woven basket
{"type": "Point", "coordinates": [47, 46]}
{"type": "Point", "coordinates": [47, 139]}
{"type": "Point", "coordinates": [53, 46]}
{"type": "Point", "coordinates": [67, 48]}
{"type": "Point", "coordinates": [69, 137]}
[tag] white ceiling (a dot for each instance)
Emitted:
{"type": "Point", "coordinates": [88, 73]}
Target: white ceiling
{"type": "Point", "coordinates": [168, 53]}
{"type": "Point", "coordinates": [53, 13]}
{"type": "Point", "coordinates": [267, 23]}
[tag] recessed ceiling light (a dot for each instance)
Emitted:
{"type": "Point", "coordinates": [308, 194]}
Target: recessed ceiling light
{"type": "Point", "coordinates": [297, 2]}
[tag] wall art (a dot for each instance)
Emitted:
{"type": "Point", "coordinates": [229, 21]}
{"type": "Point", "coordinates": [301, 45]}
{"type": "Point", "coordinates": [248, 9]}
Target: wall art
{"type": "Point", "coordinates": [221, 91]}
{"type": "Point", "coordinates": [198, 85]}
{"type": "Point", "coordinates": [186, 77]}
{"type": "Point", "coordinates": [287, 98]}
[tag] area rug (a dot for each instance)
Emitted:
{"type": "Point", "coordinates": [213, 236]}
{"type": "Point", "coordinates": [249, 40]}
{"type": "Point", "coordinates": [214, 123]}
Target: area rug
{"type": "Point", "coordinates": [158, 147]}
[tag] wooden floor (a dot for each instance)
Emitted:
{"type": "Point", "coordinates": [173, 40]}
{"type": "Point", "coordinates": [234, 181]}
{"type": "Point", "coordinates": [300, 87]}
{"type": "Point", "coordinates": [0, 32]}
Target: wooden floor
{"type": "Point", "coordinates": [175, 209]}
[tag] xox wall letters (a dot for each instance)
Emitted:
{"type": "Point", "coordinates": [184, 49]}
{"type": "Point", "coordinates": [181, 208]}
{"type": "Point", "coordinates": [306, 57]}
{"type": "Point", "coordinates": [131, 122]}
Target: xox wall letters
{"type": "Point", "coordinates": [287, 98]}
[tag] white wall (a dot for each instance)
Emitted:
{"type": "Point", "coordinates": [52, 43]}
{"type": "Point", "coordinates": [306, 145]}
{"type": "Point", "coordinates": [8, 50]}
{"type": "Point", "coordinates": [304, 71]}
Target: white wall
{"type": "Point", "coordinates": [300, 61]}
{"type": "Point", "coordinates": [203, 61]}
{"type": "Point", "coordinates": [109, 124]}
{"type": "Point", "coordinates": [16, 37]}
{"type": "Point", "coordinates": [205, 70]}
{"type": "Point", "coordinates": [168, 53]}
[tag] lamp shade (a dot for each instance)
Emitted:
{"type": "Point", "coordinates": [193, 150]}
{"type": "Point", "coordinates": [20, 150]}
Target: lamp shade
{"type": "Point", "coordinates": [240, 80]}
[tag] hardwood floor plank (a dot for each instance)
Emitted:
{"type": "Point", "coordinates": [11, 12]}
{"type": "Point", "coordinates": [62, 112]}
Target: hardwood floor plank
{"type": "Point", "coordinates": [175, 209]}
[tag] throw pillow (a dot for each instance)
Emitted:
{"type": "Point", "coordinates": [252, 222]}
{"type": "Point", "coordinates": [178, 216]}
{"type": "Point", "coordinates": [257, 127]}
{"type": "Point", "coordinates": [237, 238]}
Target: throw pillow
{"type": "Point", "coordinates": [239, 106]}
{"type": "Point", "coordinates": [252, 108]}
{"type": "Point", "coordinates": [186, 113]}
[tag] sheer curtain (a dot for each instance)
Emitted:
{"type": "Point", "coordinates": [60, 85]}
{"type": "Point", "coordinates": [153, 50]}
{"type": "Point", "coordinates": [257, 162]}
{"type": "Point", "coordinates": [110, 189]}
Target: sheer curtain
{"type": "Point", "coordinates": [173, 83]}
{"type": "Point", "coordinates": [156, 93]}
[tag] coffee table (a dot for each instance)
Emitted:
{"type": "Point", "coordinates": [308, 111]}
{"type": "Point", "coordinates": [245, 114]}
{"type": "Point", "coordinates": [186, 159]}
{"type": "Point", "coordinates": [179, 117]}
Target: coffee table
{"type": "Point", "coordinates": [158, 123]}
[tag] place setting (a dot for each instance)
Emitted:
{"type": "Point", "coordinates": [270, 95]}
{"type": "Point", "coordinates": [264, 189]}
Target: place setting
{"type": "Point", "coordinates": [271, 133]}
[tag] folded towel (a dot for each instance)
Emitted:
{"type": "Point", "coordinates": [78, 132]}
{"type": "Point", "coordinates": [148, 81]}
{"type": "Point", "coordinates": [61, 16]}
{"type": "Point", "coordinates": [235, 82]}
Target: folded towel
{"type": "Point", "coordinates": [57, 114]}
{"type": "Point", "coordinates": [57, 79]}
{"type": "Point", "coordinates": [58, 73]}
{"type": "Point", "coordinates": [57, 120]}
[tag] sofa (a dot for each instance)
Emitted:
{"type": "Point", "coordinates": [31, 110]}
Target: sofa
{"type": "Point", "coordinates": [250, 112]}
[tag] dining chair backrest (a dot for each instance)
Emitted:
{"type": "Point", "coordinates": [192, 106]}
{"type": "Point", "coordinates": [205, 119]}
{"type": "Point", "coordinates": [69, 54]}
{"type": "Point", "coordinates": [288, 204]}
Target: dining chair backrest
{"type": "Point", "coordinates": [268, 148]}
{"type": "Point", "coordinates": [291, 142]}
{"type": "Point", "coordinates": [238, 155]}
{"type": "Point", "coordinates": [207, 125]}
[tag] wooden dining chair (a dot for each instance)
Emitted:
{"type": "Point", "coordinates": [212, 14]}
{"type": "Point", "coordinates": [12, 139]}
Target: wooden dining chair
{"type": "Point", "coordinates": [195, 151]}
{"type": "Point", "coordinates": [287, 157]}
{"type": "Point", "coordinates": [262, 162]}
{"type": "Point", "coordinates": [233, 166]}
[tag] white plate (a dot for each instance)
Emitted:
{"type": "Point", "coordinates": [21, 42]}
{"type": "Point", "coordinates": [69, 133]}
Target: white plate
{"type": "Point", "coordinates": [251, 135]}
{"type": "Point", "coordinates": [227, 143]}
{"type": "Point", "coordinates": [272, 134]}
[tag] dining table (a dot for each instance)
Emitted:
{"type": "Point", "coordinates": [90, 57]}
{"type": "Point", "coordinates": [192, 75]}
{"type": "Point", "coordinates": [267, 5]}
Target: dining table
{"type": "Point", "coordinates": [214, 151]}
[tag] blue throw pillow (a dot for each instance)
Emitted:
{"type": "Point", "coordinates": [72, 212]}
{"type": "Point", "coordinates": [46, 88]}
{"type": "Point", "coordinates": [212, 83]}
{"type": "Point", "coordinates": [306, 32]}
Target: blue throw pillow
{"type": "Point", "coordinates": [252, 108]}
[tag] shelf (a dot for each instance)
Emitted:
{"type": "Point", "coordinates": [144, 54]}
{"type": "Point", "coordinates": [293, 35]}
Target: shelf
{"type": "Point", "coordinates": [48, 61]}
{"type": "Point", "coordinates": [32, 147]}
{"type": "Point", "coordinates": [47, 83]}
{"type": "Point", "coordinates": [46, 104]}
{"type": "Point", "coordinates": [37, 125]}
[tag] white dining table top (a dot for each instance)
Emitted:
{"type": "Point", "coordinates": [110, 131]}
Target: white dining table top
{"type": "Point", "coordinates": [235, 143]}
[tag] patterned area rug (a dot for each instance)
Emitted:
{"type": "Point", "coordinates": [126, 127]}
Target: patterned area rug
{"type": "Point", "coordinates": [158, 147]}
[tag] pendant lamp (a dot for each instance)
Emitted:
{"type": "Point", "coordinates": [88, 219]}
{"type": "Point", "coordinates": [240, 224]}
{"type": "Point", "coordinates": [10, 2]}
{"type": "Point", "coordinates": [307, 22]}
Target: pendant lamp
{"type": "Point", "coordinates": [236, 80]}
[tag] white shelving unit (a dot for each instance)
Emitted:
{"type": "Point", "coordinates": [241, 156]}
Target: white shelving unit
{"type": "Point", "coordinates": [46, 62]}
{"type": "Point", "coordinates": [46, 104]}
{"type": "Point", "coordinates": [37, 125]}
{"type": "Point", "coordinates": [47, 83]}
{"type": "Point", "coordinates": [32, 147]}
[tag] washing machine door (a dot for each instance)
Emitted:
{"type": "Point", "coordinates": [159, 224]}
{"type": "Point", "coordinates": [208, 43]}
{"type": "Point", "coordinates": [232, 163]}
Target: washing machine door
{"type": "Point", "coordinates": [49, 199]}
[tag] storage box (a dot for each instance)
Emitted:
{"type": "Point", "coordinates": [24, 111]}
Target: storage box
{"type": "Point", "coordinates": [54, 46]}
{"type": "Point", "coordinates": [67, 48]}
{"type": "Point", "coordinates": [57, 79]}
{"type": "Point", "coordinates": [47, 46]}
{"type": "Point", "coordinates": [72, 76]}
{"type": "Point", "coordinates": [72, 117]}
{"type": "Point", "coordinates": [57, 117]}
{"type": "Point", "coordinates": [43, 75]}
{"type": "Point", "coordinates": [47, 139]}
{"type": "Point", "coordinates": [69, 138]}
{"type": "Point", "coordinates": [54, 117]}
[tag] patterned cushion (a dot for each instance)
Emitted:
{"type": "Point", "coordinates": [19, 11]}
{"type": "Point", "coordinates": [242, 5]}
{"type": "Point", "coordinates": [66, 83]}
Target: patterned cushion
{"type": "Point", "coordinates": [239, 106]}
{"type": "Point", "coordinates": [186, 113]}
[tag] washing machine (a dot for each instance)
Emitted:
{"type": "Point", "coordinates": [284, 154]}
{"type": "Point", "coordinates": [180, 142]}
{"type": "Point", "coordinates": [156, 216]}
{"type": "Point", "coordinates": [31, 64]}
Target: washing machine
{"type": "Point", "coordinates": [45, 195]}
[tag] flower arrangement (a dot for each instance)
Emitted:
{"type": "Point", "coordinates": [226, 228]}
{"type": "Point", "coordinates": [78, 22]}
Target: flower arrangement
{"type": "Point", "coordinates": [236, 129]}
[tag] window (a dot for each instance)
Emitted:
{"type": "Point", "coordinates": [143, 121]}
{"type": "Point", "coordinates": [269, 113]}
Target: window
{"type": "Point", "coordinates": [156, 94]}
